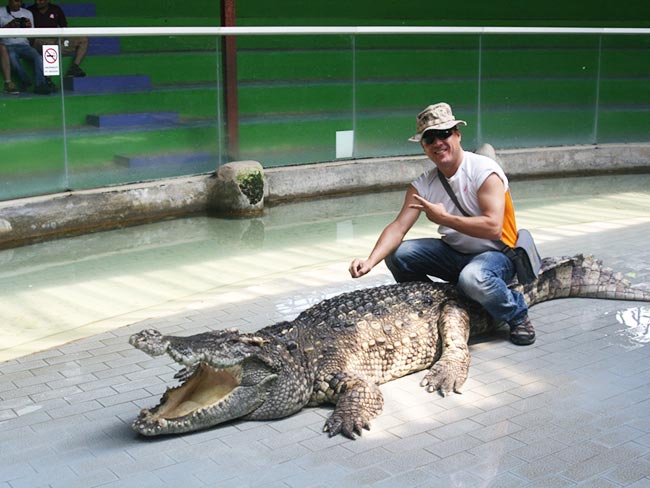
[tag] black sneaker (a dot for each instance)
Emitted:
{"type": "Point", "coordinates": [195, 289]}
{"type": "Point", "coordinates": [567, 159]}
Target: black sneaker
{"type": "Point", "coordinates": [11, 88]}
{"type": "Point", "coordinates": [74, 71]}
{"type": "Point", "coordinates": [522, 334]}
{"type": "Point", "coordinates": [42, 89]}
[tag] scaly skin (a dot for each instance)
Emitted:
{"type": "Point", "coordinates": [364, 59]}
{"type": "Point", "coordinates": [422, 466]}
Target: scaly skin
{"type": "Point", "coordinates": [340, 350]}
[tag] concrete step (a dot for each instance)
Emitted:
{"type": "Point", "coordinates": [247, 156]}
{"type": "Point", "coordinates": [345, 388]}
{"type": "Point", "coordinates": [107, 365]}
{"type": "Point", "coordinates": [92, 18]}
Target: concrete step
{"type": "Point", "coordinates": [132, 119]}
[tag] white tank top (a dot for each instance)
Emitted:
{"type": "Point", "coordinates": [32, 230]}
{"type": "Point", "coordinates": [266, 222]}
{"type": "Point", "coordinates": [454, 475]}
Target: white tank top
{"type": "Point", "coordinates": [471, 174]}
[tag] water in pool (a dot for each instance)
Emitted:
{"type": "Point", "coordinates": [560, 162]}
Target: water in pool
{"type": "Point", "coordinates": [57, 291]}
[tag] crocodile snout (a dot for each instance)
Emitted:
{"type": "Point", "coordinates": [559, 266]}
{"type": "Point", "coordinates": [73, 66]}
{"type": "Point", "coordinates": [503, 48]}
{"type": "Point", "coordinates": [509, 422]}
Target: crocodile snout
{"type": "Point", "coordinates": [150, 341]}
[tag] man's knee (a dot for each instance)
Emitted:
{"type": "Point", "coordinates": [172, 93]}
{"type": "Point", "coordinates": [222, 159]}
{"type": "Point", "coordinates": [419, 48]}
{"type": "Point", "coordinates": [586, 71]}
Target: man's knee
{"type": "Point", "coordinates": [390, 261]}
{"type": "Point", "coordinates": [399, 263]}
{"type": "Point", "coordinates": [467, 284]}
{"type": "Point", "coordinates": [472, 282]}
{"type": "Point", "coordinates": [402, 255]}
{"type": "Point", "coordinates": [397, 260]}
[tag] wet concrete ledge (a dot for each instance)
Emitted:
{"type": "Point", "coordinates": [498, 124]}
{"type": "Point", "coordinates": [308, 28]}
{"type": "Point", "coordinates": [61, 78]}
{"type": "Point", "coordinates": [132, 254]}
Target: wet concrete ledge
{"type": "Point", "coordinates": [34, 219]}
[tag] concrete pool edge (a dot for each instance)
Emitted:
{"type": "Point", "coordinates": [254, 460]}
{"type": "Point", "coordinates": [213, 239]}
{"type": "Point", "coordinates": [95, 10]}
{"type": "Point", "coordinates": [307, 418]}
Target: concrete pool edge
{"type": "Point", "coordinates": [28, 220]}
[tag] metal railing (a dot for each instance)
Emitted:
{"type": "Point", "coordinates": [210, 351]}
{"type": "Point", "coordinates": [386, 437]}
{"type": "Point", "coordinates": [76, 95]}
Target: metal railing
{"type": "Point", "coordinates": [307, 30]}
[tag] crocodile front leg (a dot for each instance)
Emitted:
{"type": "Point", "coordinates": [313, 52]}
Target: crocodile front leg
{"type": "Point", "coordinates": [359, 401]}
{"type": "Point", "coordinates": [450, 371]}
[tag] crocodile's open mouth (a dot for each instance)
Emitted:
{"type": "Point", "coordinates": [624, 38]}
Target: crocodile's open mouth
{"type": "Point", "coordinates": [204, 388]}
{"type": "Point", "coordinates": [209, 396]}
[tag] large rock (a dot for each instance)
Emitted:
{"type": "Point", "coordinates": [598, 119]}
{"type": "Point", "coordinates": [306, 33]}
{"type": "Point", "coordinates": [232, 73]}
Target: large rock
{"type": "Point", "coordinates": [239, 189]}
{"type": "Point", "coordinates": [488, 150]}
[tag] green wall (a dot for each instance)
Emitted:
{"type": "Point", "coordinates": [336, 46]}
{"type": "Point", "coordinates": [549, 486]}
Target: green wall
{"type": "Point", "coordinates": [468, 12]}
{"type": "Point", "coordinates": [382, 12]}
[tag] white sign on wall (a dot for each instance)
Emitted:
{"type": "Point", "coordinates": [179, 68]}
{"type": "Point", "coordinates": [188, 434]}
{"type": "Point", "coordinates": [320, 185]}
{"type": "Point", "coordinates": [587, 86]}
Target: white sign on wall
{"type": "Point", "coordinates": [344, 143]}
{"type": "Point", "coordinates": [51, 60]}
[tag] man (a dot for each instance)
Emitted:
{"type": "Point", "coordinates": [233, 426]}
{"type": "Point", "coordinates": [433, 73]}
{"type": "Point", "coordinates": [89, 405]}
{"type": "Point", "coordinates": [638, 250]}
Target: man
{"type": "Point", "coordinates": [468, 253]}
{"type": "Point", "coordinates": [5, 62]}
{"type": "Point", "coordinates": [12, 17]}
{"type": "Point", "coordinates": [49, 15]}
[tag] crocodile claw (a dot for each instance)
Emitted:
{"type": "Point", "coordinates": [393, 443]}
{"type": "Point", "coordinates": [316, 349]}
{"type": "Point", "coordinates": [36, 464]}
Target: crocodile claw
{"type": "Point", "coordinates": [446, 377]}
{"type": "Point", "coordinates": [347, 426]}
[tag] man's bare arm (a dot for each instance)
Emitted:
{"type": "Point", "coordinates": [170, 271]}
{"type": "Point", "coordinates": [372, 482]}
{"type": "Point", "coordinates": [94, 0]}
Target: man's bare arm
{"type": "Point", "coordinates": [390, 238]}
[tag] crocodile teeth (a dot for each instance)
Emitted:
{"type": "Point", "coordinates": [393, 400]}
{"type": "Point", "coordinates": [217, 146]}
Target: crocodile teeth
{"type": "Point", "coordinates": [189, 360]}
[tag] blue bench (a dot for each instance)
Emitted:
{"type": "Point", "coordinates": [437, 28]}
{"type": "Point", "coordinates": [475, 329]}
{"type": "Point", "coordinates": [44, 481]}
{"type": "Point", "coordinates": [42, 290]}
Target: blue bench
{"type": "Point", "coordinates": [158, 160]}
{"type": "Point", "coordinates": [132, 119]}
{"type": "Point", "coordinates": [78, 9]}
{"type": "Point", "coordinates": [108, 84]}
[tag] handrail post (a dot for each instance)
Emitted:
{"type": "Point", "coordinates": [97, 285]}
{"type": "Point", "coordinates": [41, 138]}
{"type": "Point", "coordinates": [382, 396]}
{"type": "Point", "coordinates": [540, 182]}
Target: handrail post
{"type": "Point", "coordinates": [229, 60]}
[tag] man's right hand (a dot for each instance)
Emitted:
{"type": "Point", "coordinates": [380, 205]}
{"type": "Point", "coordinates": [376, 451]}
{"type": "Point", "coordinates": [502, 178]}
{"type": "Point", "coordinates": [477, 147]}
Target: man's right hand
{"type": "Point", "coordinates": [359, 267]}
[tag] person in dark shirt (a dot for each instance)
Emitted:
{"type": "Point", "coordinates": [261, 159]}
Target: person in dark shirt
{"type": "Point", "coordinates": [49, 15]}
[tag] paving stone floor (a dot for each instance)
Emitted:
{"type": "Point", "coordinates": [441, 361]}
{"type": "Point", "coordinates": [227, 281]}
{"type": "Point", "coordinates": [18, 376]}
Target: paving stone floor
{"type": "Point", "coordinates": [571, 410]}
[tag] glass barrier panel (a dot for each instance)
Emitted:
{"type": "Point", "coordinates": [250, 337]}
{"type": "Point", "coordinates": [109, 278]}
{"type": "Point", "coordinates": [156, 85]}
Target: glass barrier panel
{"type": "Point", "coordinates": [538, 90]}
{"type": "Point", "coordinates": [151, 111]}
{"type": "Point", "coordinates": [624, 97]}
{"type": "Point", "coordinates": [398, 76]}
{"type": "Point", "coordinates": [31, 137]}
{"type": "Point", "coordinates": [295, 96]}
{"type": "Point", "coordinates": [153, 107]}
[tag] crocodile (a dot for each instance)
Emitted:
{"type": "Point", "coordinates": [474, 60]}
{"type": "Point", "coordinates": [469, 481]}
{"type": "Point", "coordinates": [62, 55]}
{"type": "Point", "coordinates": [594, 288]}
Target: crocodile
{"type": "Point", "coordinates": [340, 350]}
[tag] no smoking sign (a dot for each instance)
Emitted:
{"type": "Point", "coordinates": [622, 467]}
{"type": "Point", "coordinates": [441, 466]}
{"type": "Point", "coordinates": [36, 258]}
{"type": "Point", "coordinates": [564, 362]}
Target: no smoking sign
{"type": "Point", "coordinates": [51, 60]}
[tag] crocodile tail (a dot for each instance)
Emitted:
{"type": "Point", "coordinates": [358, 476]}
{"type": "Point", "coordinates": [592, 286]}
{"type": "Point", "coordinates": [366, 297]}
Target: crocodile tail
{"type": "Point", "coordinates": [583, 277]}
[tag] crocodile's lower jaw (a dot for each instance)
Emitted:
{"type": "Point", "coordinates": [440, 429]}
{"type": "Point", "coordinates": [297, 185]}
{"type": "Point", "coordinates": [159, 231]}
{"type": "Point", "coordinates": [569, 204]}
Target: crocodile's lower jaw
{"type": "Point", "coordinates": [185, 407]}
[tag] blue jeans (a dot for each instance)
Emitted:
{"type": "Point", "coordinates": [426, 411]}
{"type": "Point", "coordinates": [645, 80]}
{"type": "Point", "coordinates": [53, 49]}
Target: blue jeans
{"type": "Point", "coordinates": [482, 277]}
{"type": "Point", "coordinates": [27, 52]}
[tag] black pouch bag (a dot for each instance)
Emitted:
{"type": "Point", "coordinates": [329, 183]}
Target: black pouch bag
{"type": "Point", "coordinates": [525, 257]}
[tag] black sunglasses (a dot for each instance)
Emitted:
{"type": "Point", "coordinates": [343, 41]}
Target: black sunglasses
{"type": "Point", "coordinates": [431, 135]}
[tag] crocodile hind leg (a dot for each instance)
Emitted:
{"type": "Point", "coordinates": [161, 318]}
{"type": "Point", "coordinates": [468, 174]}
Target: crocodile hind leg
{"type": "Point", "coordinates": [359, 401]}
{"type": "Point", "coordinates": [450, 371]}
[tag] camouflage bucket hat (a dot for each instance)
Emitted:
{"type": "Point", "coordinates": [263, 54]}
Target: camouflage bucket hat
{"type": "Point", "coordinates": [437, 117]}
